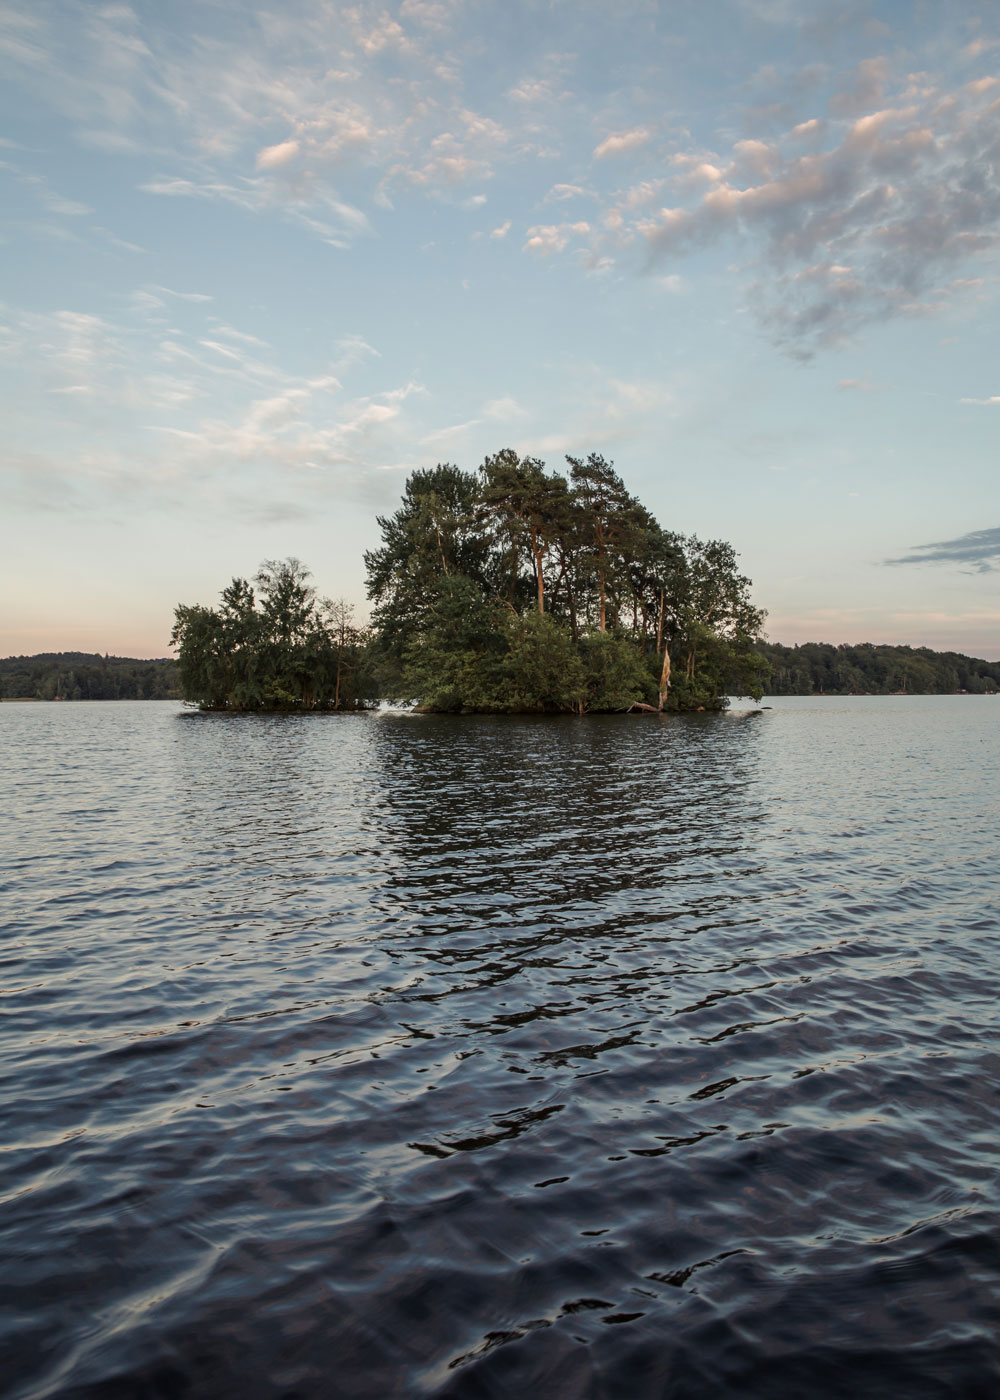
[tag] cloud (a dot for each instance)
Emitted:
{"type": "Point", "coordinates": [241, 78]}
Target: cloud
{"type": "Point", "coordinates": [377, 95]}
{"type": "Point", "coordinates": [808, 129]}
{"type": "Point", "coordinates": [502, 230]}
{"type": "Point", "coordinates": [993, 399]}
{"type": "Point", "coordinates": [620, 143]}
{"type": "Point", "coordinates": [259, 195]}
{"type": "Point", "coordinates": [553, 238]}
{"type": "Point", "coordinates": [426, 12]}
{"type": "Point", "coordinates": [564, 191]}
{"type": "Point", "coordinates": [980, 549]}
{"type": "Point", "coordinates": [201, 414]}
{"type": "Point", "coordinates": [234, 334]}
{"type": "Point", "coordinates": [533, 90]}
{"type": "Point", "coordinates": [895, 179]}
{"type": "Point", "coordinates": [865, 91]}
{"type": "Point", "coordinates": [502, 408]}
{"type": "Point", "coordinates": [636, 397]}
{"type": "Point", "coordinates": [40, 189]}
{"type": "Point", "coordinates": [979, 47]}
{"type": "Point", "coordinates": [858, 232]}
{"type": "Point", "coordinates": [441, 437]}
{"type": "Point", "coordinates": [352, 350]}
{"type": "Point", "coordinates": [271, 157]}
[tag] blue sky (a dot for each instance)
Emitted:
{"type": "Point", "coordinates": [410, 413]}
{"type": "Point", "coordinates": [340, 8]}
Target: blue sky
{"type": "Point", "coordinates": [261, 261]}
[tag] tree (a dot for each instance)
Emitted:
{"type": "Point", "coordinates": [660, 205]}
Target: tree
{"type": "Point", "coordinates": [613, 523]}
{"type": "Point", "coordinates": [466, 560]}
{"type": "Point", "coordinates": [527, 505]}
{"type": "Point", "coordinates": [435, 535]}
{"type": "Point", "coordinates": [715, 625]}
{"type": "Point", "coordinates": [273, 648]}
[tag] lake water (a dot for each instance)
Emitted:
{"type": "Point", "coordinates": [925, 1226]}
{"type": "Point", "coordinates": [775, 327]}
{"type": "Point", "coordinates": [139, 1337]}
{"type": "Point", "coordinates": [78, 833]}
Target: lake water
{"type": "Point", "coordinates": [401, 1055]}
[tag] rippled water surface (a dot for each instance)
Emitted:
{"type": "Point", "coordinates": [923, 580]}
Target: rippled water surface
{"type": "Point", "coordinates": [403, 1055]}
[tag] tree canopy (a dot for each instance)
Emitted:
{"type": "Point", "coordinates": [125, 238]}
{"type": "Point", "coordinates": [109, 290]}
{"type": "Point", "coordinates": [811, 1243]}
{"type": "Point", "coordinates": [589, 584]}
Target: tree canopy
{"type": "Point", "coordinates": [275, 646]}
{"type": "Point", "coordinates": [516, 588]}
{"type": "Point", "coordinates": [509, 589]}
{"type": "Point", "coordinates": [78, 675]}
{"type": "Point", "coordinates": [819, 668]}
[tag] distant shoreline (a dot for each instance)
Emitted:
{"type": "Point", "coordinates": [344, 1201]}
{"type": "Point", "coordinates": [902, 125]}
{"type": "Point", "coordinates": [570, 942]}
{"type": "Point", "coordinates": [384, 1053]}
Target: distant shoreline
{"type": "Point", "coordinates": [809, 670]}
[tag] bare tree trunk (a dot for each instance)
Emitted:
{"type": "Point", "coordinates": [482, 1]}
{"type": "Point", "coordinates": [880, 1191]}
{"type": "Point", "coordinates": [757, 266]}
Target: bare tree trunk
{"type": "Point", "coordinates": [659, 625]}
{"type": "Point", "coordinates": [538, 554]}
{"type": "Point", "coordinates": [444, 562]}
{"type": "Point", "coordinates": [665, 677]}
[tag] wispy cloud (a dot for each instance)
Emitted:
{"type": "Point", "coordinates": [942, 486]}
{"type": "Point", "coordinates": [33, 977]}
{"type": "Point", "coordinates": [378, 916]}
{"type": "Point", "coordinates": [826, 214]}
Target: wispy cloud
{"type": "Point", "coordinates": [501, 409]}
{"type": "Point", "coordinates": [271, 112]}
{"type": "Point", "coordinates": [448, 437]}
{"type": "Point", "coordinates": [843, 209]}
{"type": "Point", "coordinates": [621, 143]}
{"type": "Point", "coordinates": [979, 550]}
{"type": "Point", "coordinates": [271, 157]}
{"type": "Point", "coordinates": [857, 232]}
{"type": "Point", "coordinates": [206, 404]}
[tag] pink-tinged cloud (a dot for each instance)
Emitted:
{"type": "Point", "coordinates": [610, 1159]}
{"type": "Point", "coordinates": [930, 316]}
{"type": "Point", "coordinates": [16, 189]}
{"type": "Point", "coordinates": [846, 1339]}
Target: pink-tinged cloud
{"type": "Point", "coordinates": [851, 234]}
{"type": "Point", "coordinates": [273, 157]}
{"type": "Point", "coordinates": [621, 143]}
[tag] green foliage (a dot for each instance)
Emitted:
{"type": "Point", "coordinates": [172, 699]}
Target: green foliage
{"type": "Point", "coordinates": [614, 672]}
{"type": "Point", "coordinates": [541, 668]}
{"type": "Point", "coordinates": [77, 675]}
{"type": "Point", "coordinates": [453, 661]}
{"type": "Point", "coordinates": [274, 648]}
{"type": "Point", "coordinates": [434, 536]}
{"type": "Point", "coordinates": [526, 590]}
{"type": "Point", "coordinates": [818, 668]}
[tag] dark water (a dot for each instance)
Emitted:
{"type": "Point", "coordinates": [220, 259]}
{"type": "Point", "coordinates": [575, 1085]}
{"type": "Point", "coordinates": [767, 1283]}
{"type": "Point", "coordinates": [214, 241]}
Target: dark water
{"type": "Point", "coordinates": [408, 1056]}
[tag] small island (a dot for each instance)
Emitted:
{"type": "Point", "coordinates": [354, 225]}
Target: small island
{"type": "Point", "coordinates": [509, 590]}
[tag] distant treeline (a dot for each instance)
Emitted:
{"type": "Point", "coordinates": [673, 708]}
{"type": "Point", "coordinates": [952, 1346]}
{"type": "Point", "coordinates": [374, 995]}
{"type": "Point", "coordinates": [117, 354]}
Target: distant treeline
{"type": "Point", "coordinates": [817, 668]}
{"type": "Point", "coordinates": [81, 675]}
{"type": "Point", "coordinates": [814, 668]}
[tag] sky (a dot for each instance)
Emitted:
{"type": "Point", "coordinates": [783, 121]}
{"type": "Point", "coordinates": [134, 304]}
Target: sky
{"type": "Point", "coordinates": [258, 262]}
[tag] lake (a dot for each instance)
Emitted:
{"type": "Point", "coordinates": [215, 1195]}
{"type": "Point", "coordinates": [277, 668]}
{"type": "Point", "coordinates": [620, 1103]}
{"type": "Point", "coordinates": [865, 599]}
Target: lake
{"type": "Point", "coordinates": [395, 1055]}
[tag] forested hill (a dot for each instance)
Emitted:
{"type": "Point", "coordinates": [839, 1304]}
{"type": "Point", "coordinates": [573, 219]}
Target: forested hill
{"type": "Point", "coordinates": [80, 675]}
{"type": "Point", "coordinates": [817, 668]}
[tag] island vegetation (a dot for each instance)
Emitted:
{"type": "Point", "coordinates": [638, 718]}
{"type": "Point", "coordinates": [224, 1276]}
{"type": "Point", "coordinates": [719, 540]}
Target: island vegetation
{"type": "Point", "coordinates": [273, 644]}
{"type": "Point", "coordinates": [508, 590]}
{"type": "Point", "coordinates": [516, 589]}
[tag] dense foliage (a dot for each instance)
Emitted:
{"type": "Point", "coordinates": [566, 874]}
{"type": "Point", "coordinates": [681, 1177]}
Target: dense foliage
{"type": "Point", "coordinates": [273, 647]}
{"type": "Point", "coordinates": [816, 668]}
{"type": "Point", "coordinates": [517, 589]}
{"type": "Point", "coordinates": [78, 675]}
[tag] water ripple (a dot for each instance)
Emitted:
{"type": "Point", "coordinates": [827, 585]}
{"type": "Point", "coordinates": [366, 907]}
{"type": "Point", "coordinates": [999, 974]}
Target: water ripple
{"type": "Point", "coordinates": [391, 1055]}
